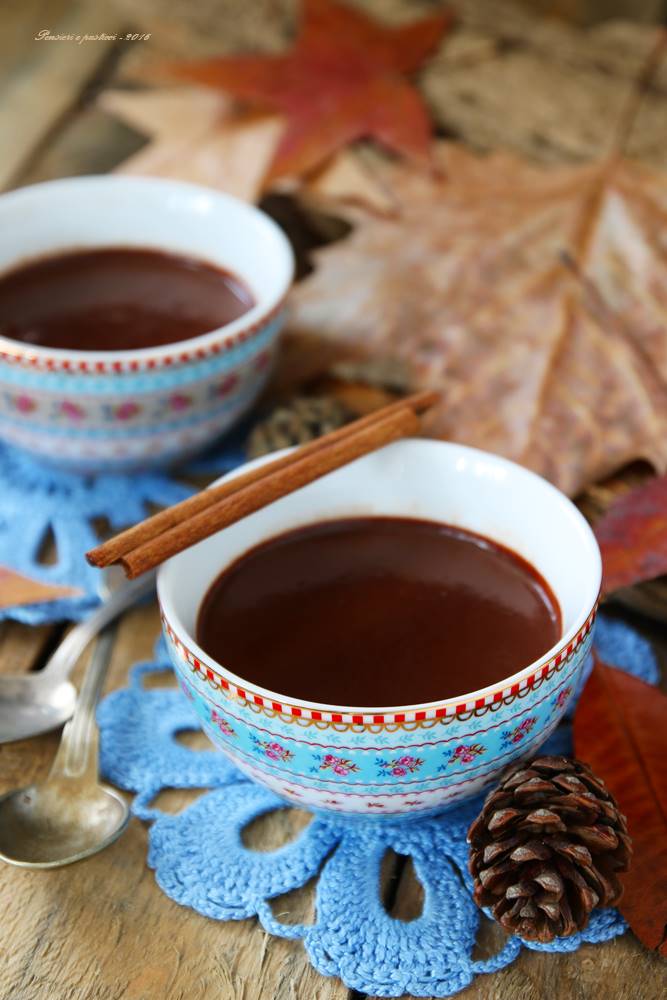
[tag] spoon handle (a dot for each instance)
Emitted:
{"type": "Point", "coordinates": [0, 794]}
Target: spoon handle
{"type": "Point", "coordinates": [70, 649]}
{"type": "Point", "coordinates": [77, 756]}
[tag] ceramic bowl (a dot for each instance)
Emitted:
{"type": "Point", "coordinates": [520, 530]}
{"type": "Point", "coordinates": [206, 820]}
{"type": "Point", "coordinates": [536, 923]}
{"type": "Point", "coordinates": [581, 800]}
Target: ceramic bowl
{"type": "Point", "coordinates": [111, 410]}
{"type": "Point", "coordinates": [384, 760]}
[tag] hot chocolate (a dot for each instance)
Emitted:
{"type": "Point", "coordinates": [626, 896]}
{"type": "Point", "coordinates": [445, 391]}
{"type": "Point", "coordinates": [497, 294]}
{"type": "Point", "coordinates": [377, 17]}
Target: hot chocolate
{"type": "Point", "coordinates": [117, 299]}
{"type": "Point", "coordinates": [378, 611]}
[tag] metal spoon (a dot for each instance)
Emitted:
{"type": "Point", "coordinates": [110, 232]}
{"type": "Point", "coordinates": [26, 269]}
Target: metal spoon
{"type": "Point", "coordinates": [71, 814]}
{"type": "Point", "coordinates": [31, 704]}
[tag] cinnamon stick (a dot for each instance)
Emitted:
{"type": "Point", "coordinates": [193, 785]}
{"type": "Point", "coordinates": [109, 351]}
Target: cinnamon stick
{"type": "Point", "coordinates": [147, 544]}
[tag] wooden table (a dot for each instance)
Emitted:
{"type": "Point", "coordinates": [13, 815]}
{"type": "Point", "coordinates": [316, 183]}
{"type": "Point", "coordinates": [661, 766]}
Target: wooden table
{"type": "Point", "coordinates": [101, 930]}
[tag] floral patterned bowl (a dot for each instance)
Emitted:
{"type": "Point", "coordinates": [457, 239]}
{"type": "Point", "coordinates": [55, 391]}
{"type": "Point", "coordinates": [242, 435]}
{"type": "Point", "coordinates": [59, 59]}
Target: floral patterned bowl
{"type": "Point", "coordinates": [383, 760]}
{"type": "Point", "coordinates": [95, 410]}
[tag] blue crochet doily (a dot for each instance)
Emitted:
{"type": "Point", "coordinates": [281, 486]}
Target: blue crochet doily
{"type": "Point", "coordinates": [200, 860]}
{"type": "Point", "coordinates": [36, 499]}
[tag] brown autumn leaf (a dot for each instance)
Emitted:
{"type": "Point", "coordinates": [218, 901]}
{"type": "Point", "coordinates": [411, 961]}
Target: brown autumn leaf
{"type": "Point", "coordinates": [344, 79]}
{"type": "Point", "coordinates": [632, 536]}
{"type": "Point", "coordinates": [195, 134]}
{"type": "Point", "coordinates": [561, 368]}
{"type": "Point", "coordinates": [17, 589]}
{"type": "Point", "coordinates": [620, 730]}
{"type": "Point", "coordinates": [349, 177]}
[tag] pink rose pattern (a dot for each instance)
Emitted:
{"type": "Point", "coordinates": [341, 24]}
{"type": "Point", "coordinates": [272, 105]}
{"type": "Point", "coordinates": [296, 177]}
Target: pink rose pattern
{"type": "Point", "coordinates": [221, 722]}
{"type": "Point", "coordinates": [466, 753]}
{"type": "Point", "coordinates": [272, 749]}
{"type": "Point", "coordinates": [562, 697]}
{"type": "Point", "coordinates": [72, 410]}
{"type": "Point", "coordinates": [179, 401]}
{"type": "Point", "coordinates": [125, 411]}
{"type": "Point", "coordinates": [395, 767]}
{"type": "Point", "coordinates": [339, 765]}
{"type": "Point", "coordinates": [187, 691]}
{"type": "Point", "coordinates": [398, 767]}
{"type": "Point", "coordinates": [128, 410]}
{"type": "Point", "coordinates": [511, 737]}
{"type": "Point", "coordinates": [24, 404]}
{"type": "Point", "coordinates": [227, 385]}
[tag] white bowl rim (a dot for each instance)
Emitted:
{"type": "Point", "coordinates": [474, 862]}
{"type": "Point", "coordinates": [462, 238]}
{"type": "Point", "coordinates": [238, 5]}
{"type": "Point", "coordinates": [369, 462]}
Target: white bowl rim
{"type": "Point", "coordinates": [589, 607]}
{"type": "Point", "coordinates": [251, 319]}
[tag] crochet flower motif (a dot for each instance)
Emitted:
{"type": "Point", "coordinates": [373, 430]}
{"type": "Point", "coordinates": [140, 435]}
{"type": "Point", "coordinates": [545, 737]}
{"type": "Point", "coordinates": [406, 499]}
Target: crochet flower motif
{"type": "Point", "coordinates": [36, 499]}
{"type": "Point", "coordinates": [510, 737]}
{"type": "Point", "coordinates": [398, 767]}
{"type": "Point", "coordinates": [201, 860]}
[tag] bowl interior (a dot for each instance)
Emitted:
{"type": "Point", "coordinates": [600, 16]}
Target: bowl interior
{"type": "Point", "coordinates": [163, 215]}
{"type": "Point", "coordinates": [426, 479]}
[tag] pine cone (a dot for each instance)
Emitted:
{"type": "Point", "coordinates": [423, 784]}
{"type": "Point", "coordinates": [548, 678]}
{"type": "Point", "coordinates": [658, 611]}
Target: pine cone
{"type": "Point", "coordinates": [296, 422]}
{"type": "Point", "coordinates": [546, 848]}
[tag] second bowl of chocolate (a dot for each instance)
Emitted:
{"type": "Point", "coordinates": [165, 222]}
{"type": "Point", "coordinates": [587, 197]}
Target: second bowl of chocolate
{"type": "Point", "coordinates": [138, 317]}
{"type": "Point", "coordinates": [389, 638]}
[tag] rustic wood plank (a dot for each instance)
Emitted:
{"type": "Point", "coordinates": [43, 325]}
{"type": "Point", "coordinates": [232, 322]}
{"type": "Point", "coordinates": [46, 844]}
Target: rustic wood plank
{"type": "Point", "coordinates": [47, 82]}
{"type": "Point", "coordinates": [90, 142]}
{"type": "Point", "coordinates": [618, 970]}
{"type": "Point", "coordinates": [587, 12]}
{"type": "Point", "coordinates": [627, 970]}
{"type": "Point", "coordinates": [21, 21]}
{"type": "Point", "coordinates": [514, 96]}
{"type": "Point", "coordinates": [143, 944]}
{"type": "Point", "coordinates": [502, 78]}
{"type": "Point", "coordinates": [133, 942]}
{"type": "Point", "coordinates": [23, 646]}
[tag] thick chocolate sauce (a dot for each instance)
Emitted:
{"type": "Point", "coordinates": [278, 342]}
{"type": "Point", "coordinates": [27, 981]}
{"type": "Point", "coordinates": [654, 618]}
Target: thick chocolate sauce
{"type": "Point", "coordinates": [117, 299]}
{"type": "Point", "coordinates": [378, 611]}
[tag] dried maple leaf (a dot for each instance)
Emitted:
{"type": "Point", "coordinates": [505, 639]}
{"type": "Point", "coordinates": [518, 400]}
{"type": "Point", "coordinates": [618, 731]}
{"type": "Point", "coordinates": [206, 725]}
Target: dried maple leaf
{"type": "Point", "coordinates": [346, 178]}
{"type": "Point", "coordinates": [468, 285]}
{"type": "Point", "coordinates": [619, 729]}
{"type": "Point", "coordinates": [633, 536]}
{"type": "Point", "coordinates": [345, 79]}
{"type": "Point", "coordinates": [195, 135]}
{"type": "Point", "coordinates": [18, 589]}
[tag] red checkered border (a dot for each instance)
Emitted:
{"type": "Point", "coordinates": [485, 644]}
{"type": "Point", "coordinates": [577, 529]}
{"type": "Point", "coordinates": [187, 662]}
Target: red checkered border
{"type": "Point", "coordinates": [447, 710]}
{"type": "Point", "coordinates": [22, 355]}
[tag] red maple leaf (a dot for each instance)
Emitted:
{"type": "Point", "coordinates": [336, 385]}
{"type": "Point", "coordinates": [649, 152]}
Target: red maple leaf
{"type": "Point", "coordinates": [345, 79]}
{"type": "Point", "coordinates": [619, 729]}
{"type": "Point", "coordinates": [632, 536]}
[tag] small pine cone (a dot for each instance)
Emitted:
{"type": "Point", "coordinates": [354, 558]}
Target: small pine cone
{"type": "Point", "coordinates": [392, 374]}
{"type": "Point", "coordinates": [296, 422]}
{"type": "Point", "coordinates": [546, 847]}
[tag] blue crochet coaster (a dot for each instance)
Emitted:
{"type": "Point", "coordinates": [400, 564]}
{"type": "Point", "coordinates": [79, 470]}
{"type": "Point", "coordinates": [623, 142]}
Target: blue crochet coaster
{"type": "Point", "coordinates": [36, 499]}
{"type": "Point", "coordinates": [200, 860]}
